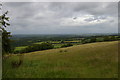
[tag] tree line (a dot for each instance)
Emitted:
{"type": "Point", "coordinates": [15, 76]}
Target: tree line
{"type": "Point", "coordinates": [36, 47]}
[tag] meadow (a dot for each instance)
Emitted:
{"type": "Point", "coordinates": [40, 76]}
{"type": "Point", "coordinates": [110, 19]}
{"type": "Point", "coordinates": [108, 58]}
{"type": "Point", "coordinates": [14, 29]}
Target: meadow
{"type": "Point", "coordinates": [92, 60]}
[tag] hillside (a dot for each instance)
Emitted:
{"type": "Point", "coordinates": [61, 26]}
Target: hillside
{"type": "Point", "coordinates": [94, 60]}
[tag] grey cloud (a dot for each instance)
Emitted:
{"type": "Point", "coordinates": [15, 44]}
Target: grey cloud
{"type": "Point", "coordinates": [39, 17]}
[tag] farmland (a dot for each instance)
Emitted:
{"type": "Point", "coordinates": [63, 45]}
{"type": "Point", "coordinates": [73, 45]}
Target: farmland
{"type": "Point", "coordinates": [20, 42]}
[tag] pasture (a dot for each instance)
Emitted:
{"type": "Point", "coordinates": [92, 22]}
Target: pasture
{"type": "Point", "coordinates": [93, 60]}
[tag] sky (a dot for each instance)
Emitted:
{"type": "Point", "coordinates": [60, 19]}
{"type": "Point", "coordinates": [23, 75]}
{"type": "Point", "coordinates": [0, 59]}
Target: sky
{"type": "Point", "coordinates": [62, 17]}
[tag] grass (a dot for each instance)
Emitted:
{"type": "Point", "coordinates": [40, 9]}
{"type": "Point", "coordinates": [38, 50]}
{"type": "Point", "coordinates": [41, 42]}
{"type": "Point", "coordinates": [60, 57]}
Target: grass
{"type": "Point", "coordinates": [19, 48]}
{"type": "Point", "coordinates": [53, 42]}
{"type": "Point", "coordinates": [77, 41]}
{"type": "Point", "coordinates": [38, 42]}
{"type": "Point", "coordinates": [94, 60]}
{"type": "Point", "coordinates": [57, 45]}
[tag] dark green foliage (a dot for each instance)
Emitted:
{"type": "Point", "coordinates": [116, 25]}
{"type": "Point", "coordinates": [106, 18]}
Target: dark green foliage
{"type": "Point", "coordinates": [4, 20]}
{"type": "Point", "coordinates": [66, 45]}
{"type": "Point", "coordinates": [92, 40]}
{"type": "Point", "coordinates": [36, 47]}
{"type": "Point", "coordinates": [111, 38]}
{"type": "Point", "coordinates": [88, 40]}
{"type": "Point", "coordinates": [6, 42]}
{"type": "Point", "coordinates": [99, 39]}
{"type": "Point", "coordinates": [106, 38]}
{"type": "Point", "coordinates": [84, 41]}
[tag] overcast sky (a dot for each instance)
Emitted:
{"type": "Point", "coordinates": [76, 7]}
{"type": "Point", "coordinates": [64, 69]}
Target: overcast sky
{"type": "Point", "coordinates": [62, 17]}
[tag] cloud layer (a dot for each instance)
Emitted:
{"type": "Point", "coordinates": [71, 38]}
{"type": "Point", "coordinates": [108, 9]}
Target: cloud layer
{"type": "Point", "coordinates": [62, 17]}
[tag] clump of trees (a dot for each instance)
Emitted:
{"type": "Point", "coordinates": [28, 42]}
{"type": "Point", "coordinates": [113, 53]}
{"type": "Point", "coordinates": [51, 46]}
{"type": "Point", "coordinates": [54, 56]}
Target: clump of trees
{"type": "Point", "coordinates": [91, 40]}
{"type": "Point", "coordinates": [67, 45]}
{"type": "Point", "coordinates": [99, 39]}
{"type": "Point", "coordinates": [36, 47]}
{"type": "Point", "coordinates": [111, 38]}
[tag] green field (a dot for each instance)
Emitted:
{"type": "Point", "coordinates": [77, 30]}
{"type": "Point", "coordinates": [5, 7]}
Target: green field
{"type": "Point", "coordinates": [94, 60]}
{"type": "Point", "coordinates": [19, 48]}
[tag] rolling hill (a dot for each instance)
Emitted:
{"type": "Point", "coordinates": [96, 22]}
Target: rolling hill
{"type": "Point", "coordinates": [94, 60]}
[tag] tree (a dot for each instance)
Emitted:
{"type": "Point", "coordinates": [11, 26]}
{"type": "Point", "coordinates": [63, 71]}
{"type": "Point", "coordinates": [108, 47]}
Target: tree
{"type": "Point", "coordinates": [6, 47]}
{"type": "Point", "coordinates": [36, 47]}
{"type": "Point", "coordinates": [113, 38]}
{"type": "Point", "coordinates": [106, 38]}
{"type": "Point", "coordinates": [6, 42]}
{"type": "Point", "coordinates": [66, 45]}
{"type": "Point", "coordinates": [93, 40]}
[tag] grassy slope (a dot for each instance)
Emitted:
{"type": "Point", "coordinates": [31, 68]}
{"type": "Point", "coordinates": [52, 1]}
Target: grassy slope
{"type": "Point", "coordinates": [95, 60]}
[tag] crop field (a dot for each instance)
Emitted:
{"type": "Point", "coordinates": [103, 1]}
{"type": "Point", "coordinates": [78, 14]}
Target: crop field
{"type": "Point", "coordinates": [93, 60]}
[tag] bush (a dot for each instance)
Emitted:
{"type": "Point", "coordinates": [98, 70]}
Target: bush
{"type": "Point", "coordinates": [66, 45]}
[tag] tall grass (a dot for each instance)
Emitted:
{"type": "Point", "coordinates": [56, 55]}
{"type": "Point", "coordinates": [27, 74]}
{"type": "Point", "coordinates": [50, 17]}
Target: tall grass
{"type": "Point", "coordinates": [95, 60]}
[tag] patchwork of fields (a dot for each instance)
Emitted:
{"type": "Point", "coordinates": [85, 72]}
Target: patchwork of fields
{"type": "Point", "coordinates": [56, 44]}
{"type": "Point", "coordinates": [94, 60]}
